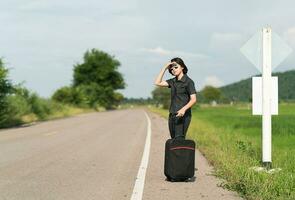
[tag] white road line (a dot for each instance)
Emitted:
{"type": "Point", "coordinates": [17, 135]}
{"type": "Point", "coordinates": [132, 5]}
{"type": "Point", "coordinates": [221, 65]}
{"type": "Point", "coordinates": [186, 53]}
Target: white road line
{"type": "Point", "coordinates": [139, 182]}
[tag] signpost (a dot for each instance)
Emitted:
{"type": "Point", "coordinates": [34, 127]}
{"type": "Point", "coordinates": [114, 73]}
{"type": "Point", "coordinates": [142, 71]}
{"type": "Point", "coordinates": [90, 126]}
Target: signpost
{"type": "Point", "coordinates": [259, 50]}
{"type": "Point", "coordinates": [266, 97]}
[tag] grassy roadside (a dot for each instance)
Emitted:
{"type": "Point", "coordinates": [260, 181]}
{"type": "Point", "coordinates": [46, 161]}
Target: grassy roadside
{"type": "Point", "coordinates": [230, 138]}
{"type": "Point", "coordinates": [66, 111]}
{"type": "Point", "coordinates": [62, 112]}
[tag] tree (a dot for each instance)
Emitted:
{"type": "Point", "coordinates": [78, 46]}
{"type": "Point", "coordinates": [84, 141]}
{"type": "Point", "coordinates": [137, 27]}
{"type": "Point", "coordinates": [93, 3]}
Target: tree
{"type": "Point", "coordinates": [6, 88]}
{"type": "Point", "coordinates": [161, 96]}
{"type": "Point", "coordinates": [211, 93]}
{"type": "Point", "coordinates": [69, 95]}
{"type": "Point", "coordinates": [98, 76]}
{"type": "Point", "coordinates": [5, 84]}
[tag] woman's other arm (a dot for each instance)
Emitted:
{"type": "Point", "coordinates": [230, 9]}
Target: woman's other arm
{"type": "Point", "coordinates": [193, 100]}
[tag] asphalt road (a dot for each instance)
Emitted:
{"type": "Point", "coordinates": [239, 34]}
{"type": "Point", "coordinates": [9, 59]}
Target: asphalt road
{"type": "Point", "coordinates": [94, 156]}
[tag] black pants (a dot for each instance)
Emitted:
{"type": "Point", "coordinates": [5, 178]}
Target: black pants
{"type": "Point", "coordinates": [178, 125]}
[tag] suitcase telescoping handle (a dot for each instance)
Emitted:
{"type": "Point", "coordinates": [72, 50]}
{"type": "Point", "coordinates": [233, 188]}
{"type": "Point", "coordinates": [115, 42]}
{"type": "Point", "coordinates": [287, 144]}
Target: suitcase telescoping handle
{"type": "Point", "coordinates": [174, 122]}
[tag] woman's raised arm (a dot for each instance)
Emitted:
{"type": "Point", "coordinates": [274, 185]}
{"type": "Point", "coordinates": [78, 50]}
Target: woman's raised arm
{"type": "Point", "coordinates": [159, 81]}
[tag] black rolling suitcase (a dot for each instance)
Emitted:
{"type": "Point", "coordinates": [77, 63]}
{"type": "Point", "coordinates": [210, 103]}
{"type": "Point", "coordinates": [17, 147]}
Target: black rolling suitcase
{"type": "Point", "coordinates": [179, 159]}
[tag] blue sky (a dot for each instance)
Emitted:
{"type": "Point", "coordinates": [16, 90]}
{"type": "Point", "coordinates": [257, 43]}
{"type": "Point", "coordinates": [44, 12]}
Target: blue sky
{"type": "Point", "coordinates": [41, 40]}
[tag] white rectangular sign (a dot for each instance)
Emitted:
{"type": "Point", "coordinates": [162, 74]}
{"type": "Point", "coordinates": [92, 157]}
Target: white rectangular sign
{"type": "Point", "coordinates": [257, 95]}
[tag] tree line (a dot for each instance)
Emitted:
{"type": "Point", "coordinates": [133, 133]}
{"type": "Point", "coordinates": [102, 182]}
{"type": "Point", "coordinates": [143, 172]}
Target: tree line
{"type": "Point", "coordinates": [240, 91]}
{"type": "Point", "coordinates": [208, 94]}
{"type": "Point", "coordinates": [94, 86]}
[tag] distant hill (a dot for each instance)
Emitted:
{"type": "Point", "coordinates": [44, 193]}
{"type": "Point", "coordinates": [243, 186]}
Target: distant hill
{"type": "Point", "coordinates": [242, 90]}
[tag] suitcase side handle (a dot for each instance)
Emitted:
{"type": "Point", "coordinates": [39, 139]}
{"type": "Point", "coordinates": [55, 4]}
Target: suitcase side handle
{"type": "Point", "coordinates": [182, 147]}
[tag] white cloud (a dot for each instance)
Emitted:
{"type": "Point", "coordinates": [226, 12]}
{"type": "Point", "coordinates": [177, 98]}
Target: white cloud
{"type": "Point", "coordinates": [35, 5]}
{"type": "Point", "coordinates": [157, 50]}
{"type": "Point", "coordinates": [289, 36]}
{"type": "Point", "coordinates": [164, 52]}
{"type": "Point", "coordinates": [213, 81]}
{"type": "Point", "coordinates": [225, 37]}
{"type": "Point", "coordinates": [74, 7]}
{"type": "Point", "coordinates": [225, 40]}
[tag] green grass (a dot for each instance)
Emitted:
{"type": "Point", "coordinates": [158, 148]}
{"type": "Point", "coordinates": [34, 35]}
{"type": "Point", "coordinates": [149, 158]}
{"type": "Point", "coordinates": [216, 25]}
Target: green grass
{"type": "Point", "coordinates": [57, 111]}
{"type": "Point", "coordinates": [230, 138]}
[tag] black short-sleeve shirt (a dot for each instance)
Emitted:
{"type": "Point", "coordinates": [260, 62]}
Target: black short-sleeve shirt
{"type": "Point", "coordinates": [180, 92]}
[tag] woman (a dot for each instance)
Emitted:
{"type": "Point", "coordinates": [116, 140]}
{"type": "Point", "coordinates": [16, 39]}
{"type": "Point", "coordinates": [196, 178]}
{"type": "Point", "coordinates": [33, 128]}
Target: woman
{"type": "Point", "coordinates": [183, 96]}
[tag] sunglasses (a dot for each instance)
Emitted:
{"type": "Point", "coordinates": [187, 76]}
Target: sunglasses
{"type": "Point", "coordinates": [172, 67]}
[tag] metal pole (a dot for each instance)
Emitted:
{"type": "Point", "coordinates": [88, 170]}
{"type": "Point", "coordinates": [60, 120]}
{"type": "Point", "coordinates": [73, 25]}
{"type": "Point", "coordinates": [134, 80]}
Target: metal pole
{"type": "Point", "coordinates": [266, 99]}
